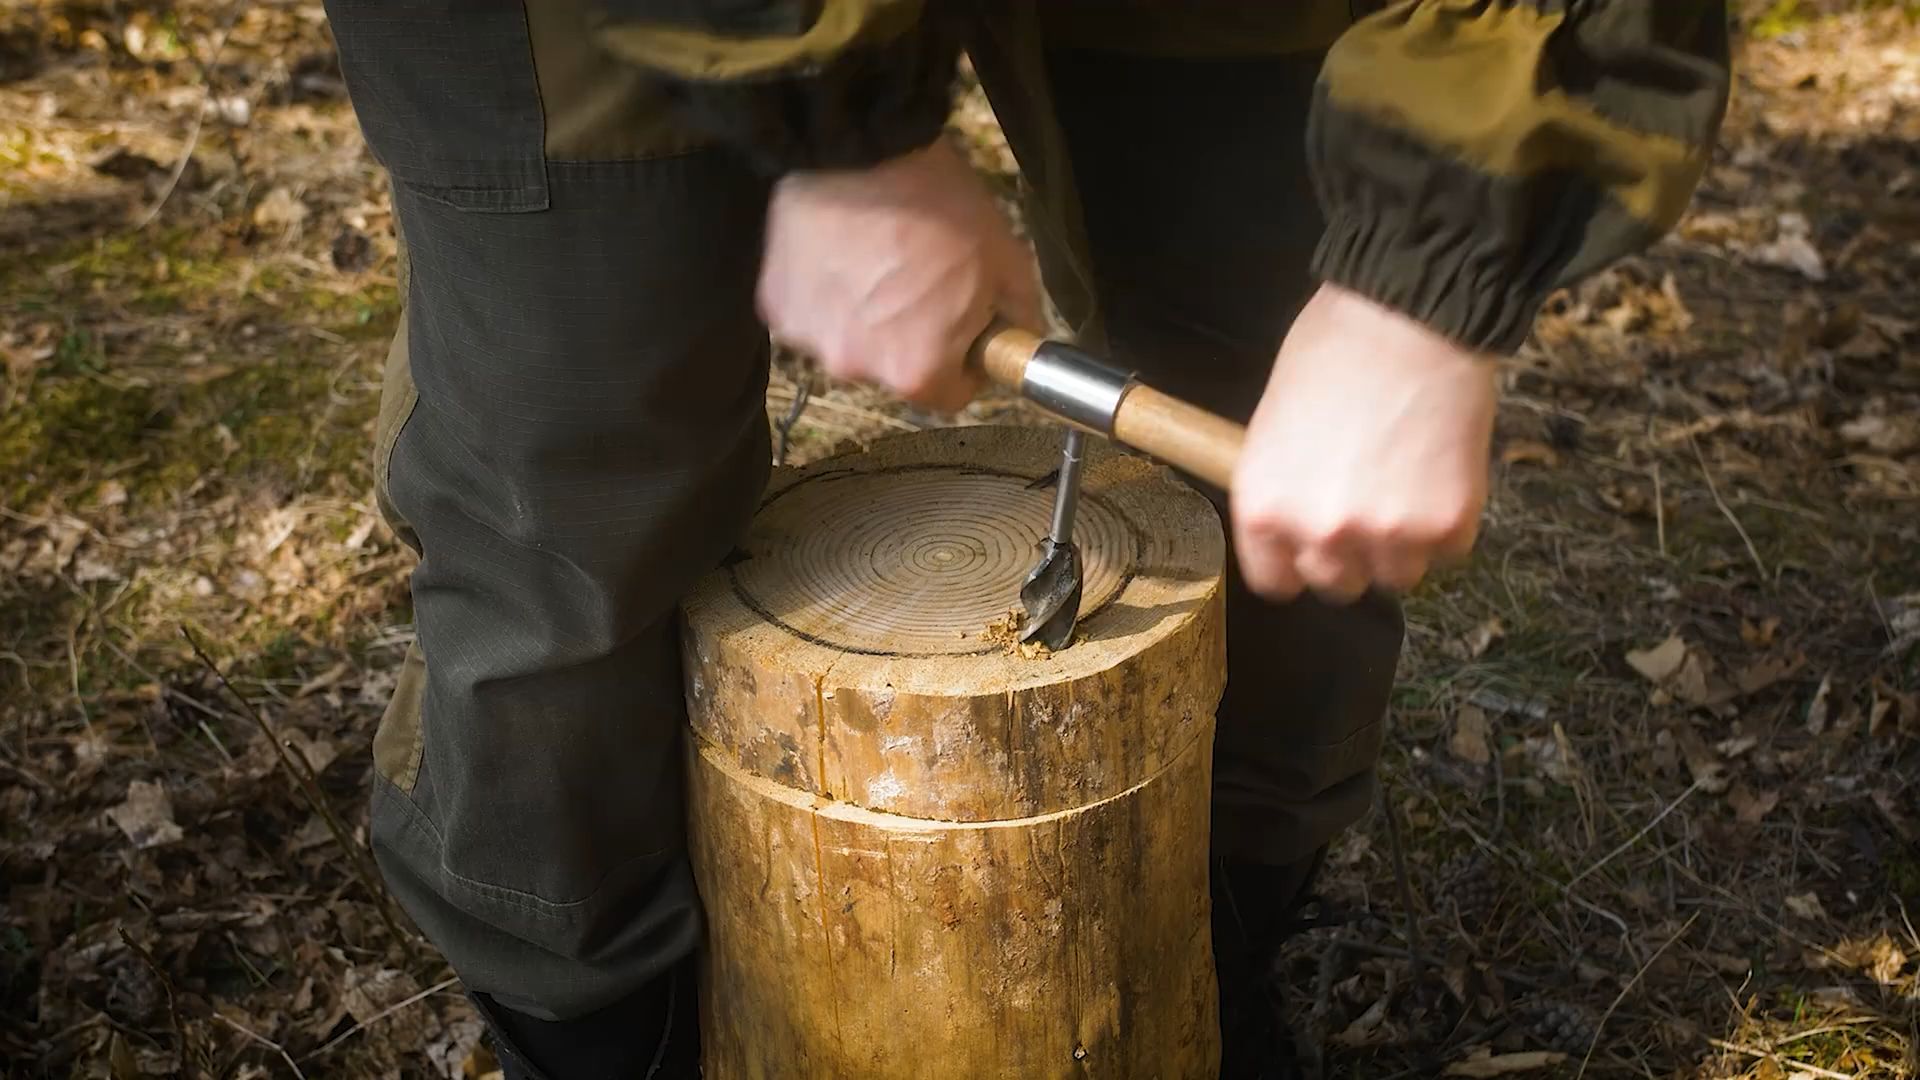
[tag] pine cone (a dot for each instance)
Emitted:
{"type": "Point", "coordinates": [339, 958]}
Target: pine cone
{"type": "Point", "coordinates": [1560, 1025]}
{"type": "Point", "coordinates": [1469, 883]}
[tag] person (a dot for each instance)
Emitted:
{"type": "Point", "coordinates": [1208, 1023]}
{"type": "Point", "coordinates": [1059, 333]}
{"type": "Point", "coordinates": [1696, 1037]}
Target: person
{"type": "Point", "coordinates": [1327, 218]}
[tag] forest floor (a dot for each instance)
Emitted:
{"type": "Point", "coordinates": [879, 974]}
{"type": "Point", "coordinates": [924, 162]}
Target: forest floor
{"type": "Point", "coordinates": [1652, 763]}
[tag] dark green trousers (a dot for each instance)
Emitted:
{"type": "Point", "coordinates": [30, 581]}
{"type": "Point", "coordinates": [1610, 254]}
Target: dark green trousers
{"type": "Point", "coordinates": [573, 431]}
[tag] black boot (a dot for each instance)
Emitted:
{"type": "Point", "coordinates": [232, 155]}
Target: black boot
{"type": "Point", "coordinates": [1256, 907]}
{"type": "Point", "coordinates": [653, 1034]}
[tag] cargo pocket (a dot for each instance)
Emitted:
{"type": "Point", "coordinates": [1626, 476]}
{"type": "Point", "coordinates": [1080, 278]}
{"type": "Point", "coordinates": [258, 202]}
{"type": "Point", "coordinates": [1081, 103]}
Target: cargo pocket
{"type": "Point", "coordinates": [447, 98]}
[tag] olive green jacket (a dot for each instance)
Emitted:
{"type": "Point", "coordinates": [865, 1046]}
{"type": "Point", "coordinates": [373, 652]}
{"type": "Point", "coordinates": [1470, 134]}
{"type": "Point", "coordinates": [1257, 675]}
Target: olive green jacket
{"type": "Point", "coordinates": [1470, 155]}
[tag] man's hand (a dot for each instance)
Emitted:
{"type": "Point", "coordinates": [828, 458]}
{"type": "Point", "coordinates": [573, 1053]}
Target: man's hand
{"type": "Point", "coordinates": [888, 274]}
{"type": "Point", "coordinates": [1366, 461]}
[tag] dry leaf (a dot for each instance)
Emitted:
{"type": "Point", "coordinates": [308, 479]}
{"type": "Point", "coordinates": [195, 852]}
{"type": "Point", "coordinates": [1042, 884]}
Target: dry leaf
{"type": "Point", "coordinates": [1687, 673]}
{"type": "Point", "coordinates": [1737, 745]}
{"type": "Point", "coordinates": [319, 751]}
{"type": "Point", "coordinates": [1888, 961]}
{"type": "Point", "coordinates": [1475, 642]}
{"type": "Point", "coordinates": [1792, 249]}
{"type": "Point", "coordinates": [1707, 769]}
{"type": "Point", "coordinates": [1554, 756]}
{"type": "Point", "coordinates": [1806, 905]}
{"type": "Point", "coordinates": [1659, 663]}
{"type": "Point", "coordinates": [1530, 452]}
{"type": "Point", "coordinates": [147, 816]}
{"type": "Point", "coordinates": [1817, 708]}
{"type": "Point", "coordinates": [1470, 730]}
{"type": "Point", "coordinates": [1727, 963]}
{"type": "Point", "coordinates": [1506, 1064]}
{"type": "Point", "coordinates": [1760, 636]}
{"type": "Point", "coordinates": [280, 209]}
{"type": "Point", "coordinates": [1887, 434]}
{"type": "Point", "coordinates": [1749, 808]}
{"type": "Point", "coordinates": [1765, 672]}
{"type": "Point", "coordinates": [1366, 1028]}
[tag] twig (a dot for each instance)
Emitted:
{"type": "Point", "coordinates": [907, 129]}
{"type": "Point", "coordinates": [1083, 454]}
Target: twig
{"type": "Point", "coordinates": [199, 116]}
{"type": "Point", "coordinates": [1768, 1055]}
{"type": "Point", "coordinates": [264, 1041]}
{"type": "Point", "coordinates": [801, 392]}
{"type": "Point", "coordinates": [31, 777]}
{"type": "Point", "coordinates": [381, 1015]}
{"type": "Point", "coordinates": [1415, 959]}
{"type": "Point", "coordinates": [309, 786]}
{"type": "Point", "coordinates": [1659, 511]}
{"type": "Point", "coordinates": [1628, 989]}
{"type": "Point", "coordinates": [166, 984]}
{"type": "Point", "coordinates": [1714, 491]}
{"type": "Point", "coordinates": [1635, 838]}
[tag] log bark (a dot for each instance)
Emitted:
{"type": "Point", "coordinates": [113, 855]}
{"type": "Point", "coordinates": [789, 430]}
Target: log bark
{"type": "Point", "coordinates": [924, 852]}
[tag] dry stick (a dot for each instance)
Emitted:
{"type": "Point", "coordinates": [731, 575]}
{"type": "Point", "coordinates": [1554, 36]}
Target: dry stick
{"type": "Point", "coordinates": [379, 1016]}
{"type": "Point", "coordinates": [199, 116]}
{"type": "Point", "coordinates": [1659, 511]}
{"type": "Point", "coordinates": [1406, 886]}
{"type": "Point", "coordinates": [167, 693]}
{"type": "Point", "coordinates": [1768, 1055]}
{"type": "Point", "coordinates": [309, 786]}
{"type": "Point", "coordinates": [1727, 510]}
{"type": "Point", "coordinates": [802, 390]}
{"type": "Point", "coordinates": [173, 1007]}
{"type": "Point", "coordinates": [1628, 989]}
{"type": "Point", "coordinates": [264, 1041]}
{"type": "Point", "coordinates": [1635, 838]}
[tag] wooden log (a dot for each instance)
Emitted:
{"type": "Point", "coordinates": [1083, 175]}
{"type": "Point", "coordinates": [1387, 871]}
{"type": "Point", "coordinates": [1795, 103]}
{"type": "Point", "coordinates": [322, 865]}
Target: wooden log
{"type": "Point", "coordinates": [924, 851]}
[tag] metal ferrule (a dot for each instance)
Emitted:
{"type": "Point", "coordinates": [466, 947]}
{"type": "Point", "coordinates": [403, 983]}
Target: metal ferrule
{"type": "Point", "coordinates": [1070, 384]}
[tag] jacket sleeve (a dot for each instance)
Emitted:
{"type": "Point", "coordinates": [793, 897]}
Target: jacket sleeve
{"type": "Point", "coordinates": [1471, 156]}
{"type": "Point", "coordinates": [796, 84]}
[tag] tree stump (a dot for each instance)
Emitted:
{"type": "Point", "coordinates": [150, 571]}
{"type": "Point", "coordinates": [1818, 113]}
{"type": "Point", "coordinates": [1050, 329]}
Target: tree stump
{"type": "Point", "coordinates": [923, 851]}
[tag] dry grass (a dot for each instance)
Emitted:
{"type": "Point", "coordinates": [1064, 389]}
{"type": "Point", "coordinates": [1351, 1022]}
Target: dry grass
{"type": "Point", "coordinates": [1653, 753]}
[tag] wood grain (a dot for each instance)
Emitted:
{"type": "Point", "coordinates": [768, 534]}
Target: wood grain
{"type": "Point", "coordinates": [925, 856]}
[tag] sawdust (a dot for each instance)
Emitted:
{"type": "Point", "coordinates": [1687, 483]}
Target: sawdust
{"type": "Point", "coordinates": [1004, 632]}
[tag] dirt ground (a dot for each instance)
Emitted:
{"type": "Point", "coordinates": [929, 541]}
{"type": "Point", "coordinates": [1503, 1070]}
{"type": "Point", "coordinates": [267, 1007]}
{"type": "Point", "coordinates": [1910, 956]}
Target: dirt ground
{"type": "Point", "coordinates": [1651, 798]}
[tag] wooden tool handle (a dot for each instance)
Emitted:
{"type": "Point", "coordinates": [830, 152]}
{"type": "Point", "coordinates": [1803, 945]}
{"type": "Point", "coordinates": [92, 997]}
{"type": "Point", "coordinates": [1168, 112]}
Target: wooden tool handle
{"type": "Point", "coordinates": [1182, 435]}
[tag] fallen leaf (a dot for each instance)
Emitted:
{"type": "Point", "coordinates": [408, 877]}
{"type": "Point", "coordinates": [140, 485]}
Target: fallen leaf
{"type": "Point", "coordinates": [1659, 663]}
{"type": "Point", "coordinates": [1878, 714]}
{"type": "Point", "coordinates": [1760, 636]}
{"type": "Point", "coordinates": [1365, 1028]}
{"type": "Point", "coordinates": [280, 209]}
{"type": "Point", "coordinates": [319, 751]}
{"type": "Point", "coordinates": [1506, 1064]}
{"type": "Point", "coordinates": [147, 816]}
{"type": "Point", "coordinates": [1727, 963]}
{"type": "Point", "coordinates": [1792, 249]}
{"type": "Point", "coordinates": [1888, 962]}
{"type": "Point", "coordinates": [1470, 730]}
{"type": "Point", "coordinates": [1554, 756]}
{"type": "Point", "coordinates": [1887, 434]}
{"type": "Point", "coordinates": [1749, 808]}
{"type": "Point", "coordinates": [1737, 745]}
{"type": "Point", "coordinates": [1807, 906]}
{"type": "Point", "coordinates": [1685, 672]}
{"type": "Point", "coordinates": [1763, 673]}
{"type": "Point", "coordinates": [1530, 452]}
{"type": "Point", "coordinates": [1817, 708]}
{"type": "Point", "coordinates": [456, 1046]}
{"type": "Point", "coordinates": [1703, 764]}
{"type": "Point", "coordinates": [1474, 643]}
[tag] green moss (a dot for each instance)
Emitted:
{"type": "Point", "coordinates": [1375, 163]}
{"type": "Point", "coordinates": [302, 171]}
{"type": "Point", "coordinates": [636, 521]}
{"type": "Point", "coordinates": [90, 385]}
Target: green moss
{"type": "Point", "coordinates": [66, 429]}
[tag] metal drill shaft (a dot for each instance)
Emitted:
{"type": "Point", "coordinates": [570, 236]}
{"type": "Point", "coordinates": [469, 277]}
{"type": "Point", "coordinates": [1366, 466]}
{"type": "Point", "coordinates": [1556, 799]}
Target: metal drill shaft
{"type": "Point", "coordinates": [1067, 499]}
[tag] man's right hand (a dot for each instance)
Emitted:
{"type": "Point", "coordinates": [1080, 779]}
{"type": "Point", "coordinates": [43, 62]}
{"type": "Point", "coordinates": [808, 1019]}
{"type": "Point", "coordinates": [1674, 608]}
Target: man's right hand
{"type": "Point", "coordinates": [888, 274]}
